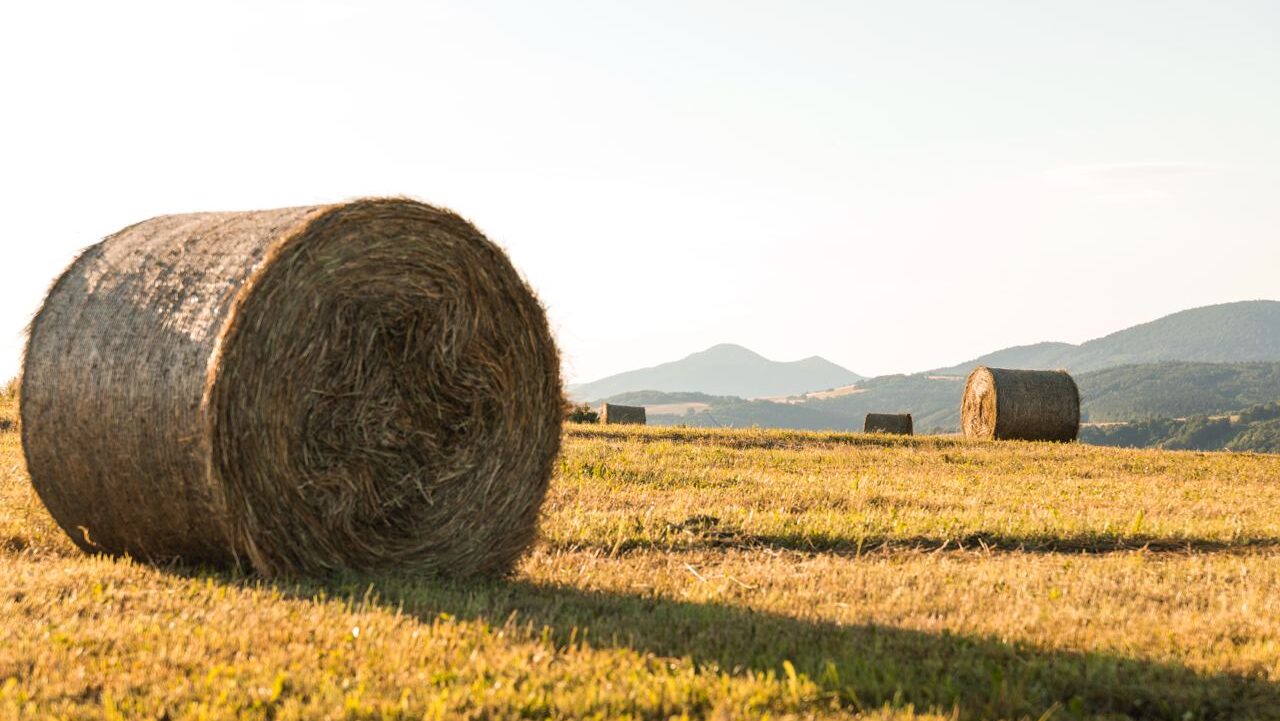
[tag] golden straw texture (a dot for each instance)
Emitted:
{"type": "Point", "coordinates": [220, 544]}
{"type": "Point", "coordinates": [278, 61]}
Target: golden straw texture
{"type": "Point", "coordinates": [1028, 405]}
{"type": "Point", "coordinates": [368, 385]}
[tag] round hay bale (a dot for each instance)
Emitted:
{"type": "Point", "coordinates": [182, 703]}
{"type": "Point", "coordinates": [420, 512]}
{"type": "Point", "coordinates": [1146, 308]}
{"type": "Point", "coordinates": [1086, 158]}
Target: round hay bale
{"type": "Point", "coordinates": [895, 423]}
{"type": "Point", "coordinates": [368, 385]}
{"type": "Point", "coordinates": [1027, 405]}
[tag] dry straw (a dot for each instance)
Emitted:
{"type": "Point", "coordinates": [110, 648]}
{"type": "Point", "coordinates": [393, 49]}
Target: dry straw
{"type": "Point", "coordinates": [896, 423]}
{"type": "Point", "coordinates": [368, 385]}
{"type": "Point", "coordinates": [1020, 405]}
{"type": "Point", "coordinates": [628, 415]}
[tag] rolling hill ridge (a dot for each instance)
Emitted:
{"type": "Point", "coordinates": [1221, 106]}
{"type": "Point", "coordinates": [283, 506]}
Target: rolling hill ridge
{"type": "Point", "coordinates": [723, 370]}
{"type": "Point", "coordinates": [1242, 332]}
{"type": "Point", "coordinates": [1207, 360]}
{"type": "Point", "coordinates": [1126, 393]}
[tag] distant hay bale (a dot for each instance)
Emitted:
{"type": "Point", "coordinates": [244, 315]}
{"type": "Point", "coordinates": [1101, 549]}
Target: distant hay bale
{"type": "Point", "coordinates": [1005, 404]}
{"type": "Point", "coordinates": [630, 415]}
{"type": "Point", "coordinates": [896, 423]}
{"type": "Point", "coordinates": [368, 385]}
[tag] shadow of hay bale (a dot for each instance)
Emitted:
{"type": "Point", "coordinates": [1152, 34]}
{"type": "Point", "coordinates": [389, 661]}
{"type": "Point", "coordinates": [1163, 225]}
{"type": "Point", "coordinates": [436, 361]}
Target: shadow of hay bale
{"type": "Point", "coordinates": [862, 666]}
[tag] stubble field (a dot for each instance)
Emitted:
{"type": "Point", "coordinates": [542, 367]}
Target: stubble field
{"type": "Point", "coordinates": [722, 574]}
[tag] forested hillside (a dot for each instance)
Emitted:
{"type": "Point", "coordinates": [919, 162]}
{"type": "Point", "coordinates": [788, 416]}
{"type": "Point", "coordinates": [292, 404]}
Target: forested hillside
{"type": "Point", "coordinates": [1256, 429]}
{"type": "Point", "coordinates": [1176, 390]}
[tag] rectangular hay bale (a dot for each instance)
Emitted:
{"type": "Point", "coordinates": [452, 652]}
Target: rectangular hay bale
{"type": "Point", "coordinates": [626, 415]}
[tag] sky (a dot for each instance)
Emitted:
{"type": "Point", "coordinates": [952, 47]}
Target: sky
{"type": "Point", "coordinates": [893, 186]}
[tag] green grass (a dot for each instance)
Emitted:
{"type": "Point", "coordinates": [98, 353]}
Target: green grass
{"type": "Point", "coordinates": [720, 574]}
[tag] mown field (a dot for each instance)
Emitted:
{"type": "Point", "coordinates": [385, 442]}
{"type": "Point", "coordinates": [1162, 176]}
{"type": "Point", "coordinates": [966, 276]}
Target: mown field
{"type": "Point", "coordinates": [722, 574]}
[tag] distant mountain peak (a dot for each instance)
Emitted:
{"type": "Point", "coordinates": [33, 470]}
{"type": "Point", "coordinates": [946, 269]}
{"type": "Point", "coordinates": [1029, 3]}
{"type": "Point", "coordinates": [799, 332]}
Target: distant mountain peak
{"type": "Point", "coordinates": [724, 369]}
{"type": "Point", "coordinates": [727, 350]}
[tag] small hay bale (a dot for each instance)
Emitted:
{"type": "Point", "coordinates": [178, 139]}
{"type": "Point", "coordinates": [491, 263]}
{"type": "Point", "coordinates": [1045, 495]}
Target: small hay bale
{"type": "Point", "coordinates": [627, 415]}
{"type": "Point", "coordinates": [895, 423]}
{"type": "Point", "coordinates": [366, 386]}
{"type": "Point", "coordinates": [1027, 405]}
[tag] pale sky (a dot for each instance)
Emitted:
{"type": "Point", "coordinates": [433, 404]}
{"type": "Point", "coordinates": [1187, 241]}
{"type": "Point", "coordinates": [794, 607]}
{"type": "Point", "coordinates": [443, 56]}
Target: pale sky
{"type": "Point", "coordinates": [894, 186]}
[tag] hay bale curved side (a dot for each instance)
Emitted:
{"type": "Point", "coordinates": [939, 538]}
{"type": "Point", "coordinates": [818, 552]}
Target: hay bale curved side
{"type": "Point", "coordinates": [895, 423]}
{"type": "Point", "coordinates": [1029, 405]}
{"type": "Point", "coordinates": [612, 413]}
{"type": "Point", "coordinates": [361, 386]}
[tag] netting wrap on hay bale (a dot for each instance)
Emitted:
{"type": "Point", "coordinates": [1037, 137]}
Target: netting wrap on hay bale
{"type": "Point", "coordinates": [896, 423]}
{"type": "Point", "coordinates": [627, 415]}
{"type": "Point", "coordinates": [1028, 405]}
{"type": "Point", "coordinates": [368, 385]}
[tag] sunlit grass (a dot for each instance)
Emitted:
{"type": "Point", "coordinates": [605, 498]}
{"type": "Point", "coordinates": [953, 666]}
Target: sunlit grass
{"type": "Point", "coordinates": [714, 574]}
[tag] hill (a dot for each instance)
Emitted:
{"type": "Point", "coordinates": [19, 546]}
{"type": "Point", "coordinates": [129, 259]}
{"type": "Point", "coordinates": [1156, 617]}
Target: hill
{"type": "Point", "coordinates": [1227, 333]}
{"type": "Point", "coordinates": [932, 400]}
{"type": "Point", "coordinates": [711, 574]}
{"type": "Point", "coordinates": [1182, 364]}
{"type": "Point", "coordinates": [1125, 393]}
{"type": "Point", "coordinates": [1175, 390]}
{"type": "Point", "coordinates": [1156, 390]}
{"type": "Point", "coordinates": [723, 370]}
{"type": "Point", "coordinates": [733, 412]}
{"type": "Point", "coordinates": [1255, 429]}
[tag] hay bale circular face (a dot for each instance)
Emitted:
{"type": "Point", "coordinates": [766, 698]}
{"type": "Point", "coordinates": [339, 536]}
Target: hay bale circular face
{"type": "Point", "coordinates": [1029, 405]}
{"type": "Point", "coordinates": [368, 385]}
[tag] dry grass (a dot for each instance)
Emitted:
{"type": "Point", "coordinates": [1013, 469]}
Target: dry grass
{"type": "Point", "coordinates": [715, 574]}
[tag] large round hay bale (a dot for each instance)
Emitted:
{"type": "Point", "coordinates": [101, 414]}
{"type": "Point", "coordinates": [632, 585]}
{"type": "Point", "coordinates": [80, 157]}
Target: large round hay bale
{"type": "Point", "coordinates": [368, 385]}
{"type": "Point", "coordinates": [894, 423]}
{"type": "Point", "coordinates": [1024, 405]}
